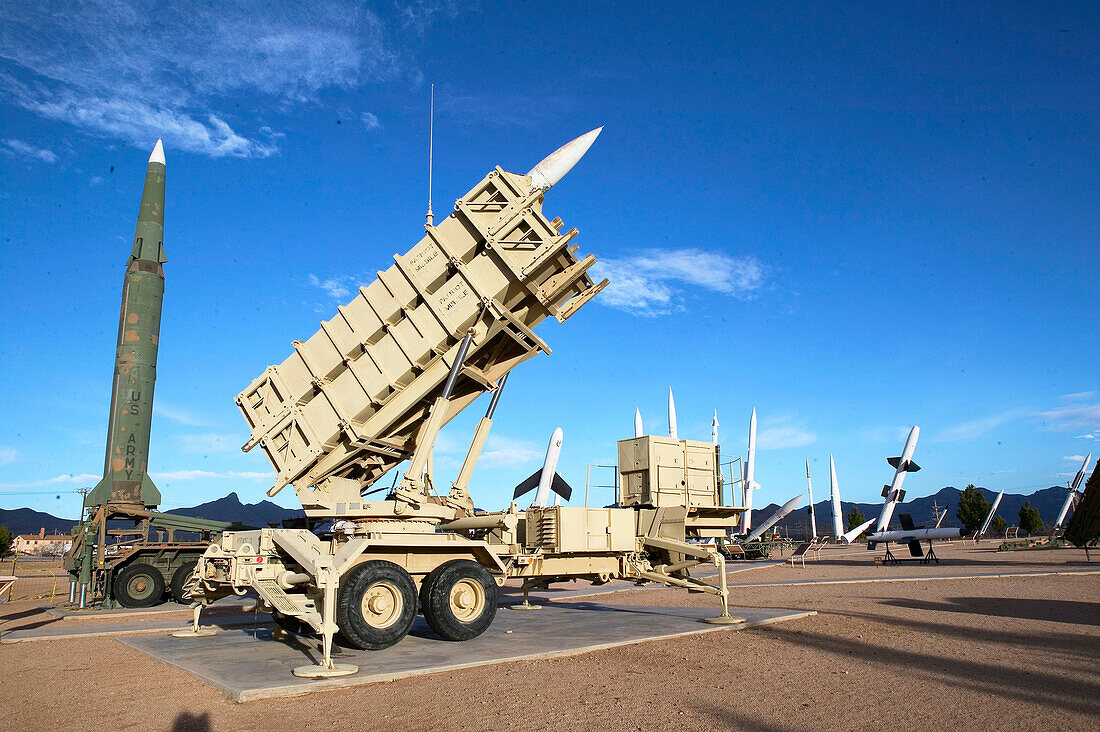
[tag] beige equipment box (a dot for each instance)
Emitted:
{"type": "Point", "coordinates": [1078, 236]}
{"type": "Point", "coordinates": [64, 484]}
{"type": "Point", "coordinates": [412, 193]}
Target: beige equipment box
{"type": "Point", "coordinates": [561, 529]}
{"type": "Point", "coordinates": [662, 471]}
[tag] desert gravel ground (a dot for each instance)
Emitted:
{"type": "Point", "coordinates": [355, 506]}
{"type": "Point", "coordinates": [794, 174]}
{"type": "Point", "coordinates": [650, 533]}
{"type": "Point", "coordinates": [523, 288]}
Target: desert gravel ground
{"type": "Point", "coordinates": [983, 653]}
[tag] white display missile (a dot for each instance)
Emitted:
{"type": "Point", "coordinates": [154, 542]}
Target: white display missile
{"type": "Point", "coordinates": [714, 428]}
{"type": "Point", "coordinates": [834, 495]}
{"type": "Point", "coordinates": [810, 491]}
{"type": "Point", "coordinates": [546, 479]}
{"type": "Point", "coordinates": [549, 467]}
{"type": "Point", "coordinates": [748, 484]}
{"type": "Point", "coordinates": [904, 536]}
{"type": "Point", "coordinates": [989, 518]}
{"type": "Point", "coordinates": [638, 432]}
{"type": "Point", "coordinates": [854, 533]}
{"type": "Point", "coordinates": [671, 416]}
{"type": "Point", "coordinates": [554, 166]}
{"type": "Point", "coordinates": [1073, 486]}
{"type": "Point", "coordinates": [775, 518]}
{"type": "Point", "coordinates": [893, 494]}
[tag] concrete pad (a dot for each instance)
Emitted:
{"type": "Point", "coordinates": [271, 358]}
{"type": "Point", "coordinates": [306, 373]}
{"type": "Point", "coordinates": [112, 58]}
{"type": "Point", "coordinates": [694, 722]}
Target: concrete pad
{"type": "Point", "coordinates": [249, 665]}
{"type": "Point", "coordinates": [910, 578]}
{"type": "Point", "coordinates": [57, 632]}
{"type": "Point", "coordinates": [65, 611]}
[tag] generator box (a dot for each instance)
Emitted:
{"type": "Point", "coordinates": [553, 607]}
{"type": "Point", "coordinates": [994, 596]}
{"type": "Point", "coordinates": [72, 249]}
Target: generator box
{"type": "Point", "coordinates": [562, 529]}
{"type": "Point", "coordinates": [663, 471]}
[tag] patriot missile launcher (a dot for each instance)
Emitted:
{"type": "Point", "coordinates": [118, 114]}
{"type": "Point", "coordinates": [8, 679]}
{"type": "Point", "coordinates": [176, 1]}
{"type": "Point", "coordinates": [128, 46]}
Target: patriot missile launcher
{"type": "Point", "coordinates": [442, 325]}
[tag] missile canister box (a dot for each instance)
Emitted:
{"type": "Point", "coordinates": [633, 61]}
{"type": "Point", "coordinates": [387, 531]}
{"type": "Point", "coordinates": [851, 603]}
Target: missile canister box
{"type": "Point", "coordinates": [563, 529]}
{"type": "Point", "coordinates": [349, 402]}
{"type": "Point", "coordinates": [662, 471]}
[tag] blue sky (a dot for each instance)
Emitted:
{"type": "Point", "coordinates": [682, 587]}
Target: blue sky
{"type": "Point", "coordinates": [854, 218]}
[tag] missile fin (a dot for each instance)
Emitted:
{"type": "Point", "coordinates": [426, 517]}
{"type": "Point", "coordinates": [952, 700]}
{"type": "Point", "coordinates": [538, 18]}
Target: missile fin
{"type": "Point", "coordinates": [528, 485]}
{"type": "Point", "coordinates": [915, 549]}
{"type": "Point", "coordinates": [906, 521]}
{"type": "Point", "coordinates": [560, 487]}
{"type": "Point", "coordinates": [911, 467]}
{"type": "Point", "coordinates": [894, 461]}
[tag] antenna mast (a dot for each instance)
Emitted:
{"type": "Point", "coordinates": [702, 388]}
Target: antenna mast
{"type": "Point", "coordinates": [431, 145]}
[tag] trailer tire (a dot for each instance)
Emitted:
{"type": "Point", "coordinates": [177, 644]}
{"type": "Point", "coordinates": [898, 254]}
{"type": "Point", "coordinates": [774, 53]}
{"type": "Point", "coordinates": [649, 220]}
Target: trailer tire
{"type": "Point", "coordinates": [138, 585]}
{"type": "Point", "coordinates": [376, 605]}
{"type": "Point", "coordinates": [179, 579]}
{"type": "Point", "coordinates": [460, 600]}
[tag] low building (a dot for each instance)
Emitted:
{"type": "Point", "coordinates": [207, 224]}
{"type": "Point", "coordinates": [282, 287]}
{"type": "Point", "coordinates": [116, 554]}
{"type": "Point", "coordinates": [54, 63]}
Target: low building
{"type": "Point", "coordinates": [37, 543]}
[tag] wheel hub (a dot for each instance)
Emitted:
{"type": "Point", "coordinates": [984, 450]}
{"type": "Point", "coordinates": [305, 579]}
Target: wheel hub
{"type": "Point", "coordinates": [381, 605]}
{"type": "Point", "coordinates": [467, 600]}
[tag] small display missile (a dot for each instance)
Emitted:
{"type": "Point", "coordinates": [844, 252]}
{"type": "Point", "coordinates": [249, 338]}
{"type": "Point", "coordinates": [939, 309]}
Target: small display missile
{"type": "Point", "coordinates": [714, 428]}
{"type": "Point", "coordinates": [854, 533]}
{"type": "Point", "coordinates": [893, 494]}
{"type": "Point", "coordinates": [775, 518]}
{"type": "Point", "coordinates": [546, 479]}
{"type": "Point", "coordinates": [834, 495]}
{"type": "Point", "coordinates": [638, 431]}
{"type": "Point", "coordinates": [748, 484]}
{"type": "Point", "coordinates": [554, 166]}
{"type": "Point", "coordinates": [1073, 486]}
{"type": "Point", "coordinates": [671, 416]}
{"type": "Point", "coordinates": [989, 517]}
{"type": "Point", "coordinates": [904, 536]}
{"type": "Point", "coordinates": [125, 479]}
{"type": "Point", "coordinates": [810, 492]}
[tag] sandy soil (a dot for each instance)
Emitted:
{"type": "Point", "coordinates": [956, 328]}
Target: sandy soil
{"type": "Point", "coordinates": [976, 653]}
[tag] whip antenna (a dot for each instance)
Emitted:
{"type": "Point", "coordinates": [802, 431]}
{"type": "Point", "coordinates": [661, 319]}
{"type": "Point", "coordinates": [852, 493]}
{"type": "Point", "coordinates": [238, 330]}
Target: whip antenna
{"type": "Point", "coordinates": [431, 145]}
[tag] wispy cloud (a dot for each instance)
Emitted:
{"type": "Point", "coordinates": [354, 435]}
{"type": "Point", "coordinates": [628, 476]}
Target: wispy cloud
{"type": "Point", "coordinates": [193, 474]}
{"type": "Point", "coordinates": [338, 288]}
{"type": "Point", "coordinates": [20, 149]}
{"type": "Point", "coordinates": [780, 433]}
{"type": "Point", "coordinates": [975, 428]}
{"type": "Point", "coordinates": [1074, 458]}
{"type": "Point", "coordinates": [1087, 436]}
{"type": "Point", "coordinates": [86, 479]}
{"type": "Point", "coordinates": [1072, 417]}
{"type": "Point", "coordinates": [370, 121]}
{"type": "Point", "coordinates": [657, 281]}
{"type": "Point", "coordinates": [8, 455]}
{"type": "Point", "coordinates": [504, 451]}
{"type": "Point", "coordinates": [178, 414]}
{"type": "Point", "coordinates": [136, 73]}
{"type": "Point", "coordinates": [209, 443]}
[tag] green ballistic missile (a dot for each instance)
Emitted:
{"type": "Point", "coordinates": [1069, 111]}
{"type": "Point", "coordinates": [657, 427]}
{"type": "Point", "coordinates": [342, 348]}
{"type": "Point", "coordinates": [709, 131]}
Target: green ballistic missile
{"type": "Point", "coordinates": [125, 479]}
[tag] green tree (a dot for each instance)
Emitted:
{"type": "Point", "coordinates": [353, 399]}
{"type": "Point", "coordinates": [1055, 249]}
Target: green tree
{"type": "Point", "coordinates": [973, 508]}
{"type": "Point", "coordinates": [5, 541]}
{"type": "Point", "coordinates": [1029, 518]}
{"type": "Point", "coordinates": [855, 518]}
{"type": "Point", "coordinates": [998, 525]}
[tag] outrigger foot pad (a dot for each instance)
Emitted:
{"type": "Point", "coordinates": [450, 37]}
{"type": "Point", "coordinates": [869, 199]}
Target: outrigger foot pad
{"type": "Point", "coordinates": [326, 672]}
{"type": "Point", "coordinates": [724, 620]}
{"type": "Point", "coordinates": [193, 633]}
{"type": "Point", "coordinates": [525, 606]}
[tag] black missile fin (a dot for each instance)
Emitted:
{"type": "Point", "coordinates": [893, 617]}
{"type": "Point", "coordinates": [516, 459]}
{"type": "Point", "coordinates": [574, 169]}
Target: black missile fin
{"type": "Point", "coordinates": [560, 487]}
{"type": "Point", "coordinates": [528, 485]}
{"type": "Point", "coordinates": [915, 548]}
{"type": "Point", "coordinates": [885, 491]}
{"type": "Point", "coordinates": [894, 462]}
{"type": "Point", "coordinates": [906, 521]}
{"type": "Point", "coordinates": [911, 467]}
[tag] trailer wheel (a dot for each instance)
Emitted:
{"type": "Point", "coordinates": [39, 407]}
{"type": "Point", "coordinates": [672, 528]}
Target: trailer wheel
{"type": "Point", "coordinates": [460, 600]}
{"type": "Point", "coordinates": [138, 585]}
{"type": "Point", "coordinates": [180, 578]}
{"type": "Point", "coordinates": [376, 606]}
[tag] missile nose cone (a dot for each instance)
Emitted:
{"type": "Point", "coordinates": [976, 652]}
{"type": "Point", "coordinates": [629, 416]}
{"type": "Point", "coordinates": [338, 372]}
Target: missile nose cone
{"type": "Point", "coordinates": [158, 153]}
{"type": "Point", "coordinates": [554, 166]}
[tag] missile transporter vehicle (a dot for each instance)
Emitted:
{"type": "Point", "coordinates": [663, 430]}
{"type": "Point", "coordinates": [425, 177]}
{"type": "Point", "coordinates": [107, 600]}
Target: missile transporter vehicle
{"type": "Point", "coordinates": [444, 324]}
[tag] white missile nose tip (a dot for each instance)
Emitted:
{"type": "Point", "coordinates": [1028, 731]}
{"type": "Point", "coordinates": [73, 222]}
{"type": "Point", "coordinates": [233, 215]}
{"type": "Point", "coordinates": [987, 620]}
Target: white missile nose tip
{"type": "Point", "coordinates": [554, 166]}
{"type": "Point", "coordinates": [157, 155]}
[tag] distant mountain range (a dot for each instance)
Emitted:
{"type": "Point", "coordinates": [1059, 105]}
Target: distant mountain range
{"type": "Point", "coordinates": [1048, 501]}
{"type": "Point", "coordinates": [229, 508]}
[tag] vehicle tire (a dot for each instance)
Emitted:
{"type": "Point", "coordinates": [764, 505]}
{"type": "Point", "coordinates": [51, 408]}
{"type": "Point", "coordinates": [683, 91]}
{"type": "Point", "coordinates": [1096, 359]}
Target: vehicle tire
{"type": "Point", "coordinates": [138, 585]}
{"type": "Point", "coordinates": [180, 578]}
{"type": "Point", "coordinates": [460, 600]}
{"type": "Point", "coordinates": [376, 605]}
{"type": "Point", "coordinates": [291, 624]}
